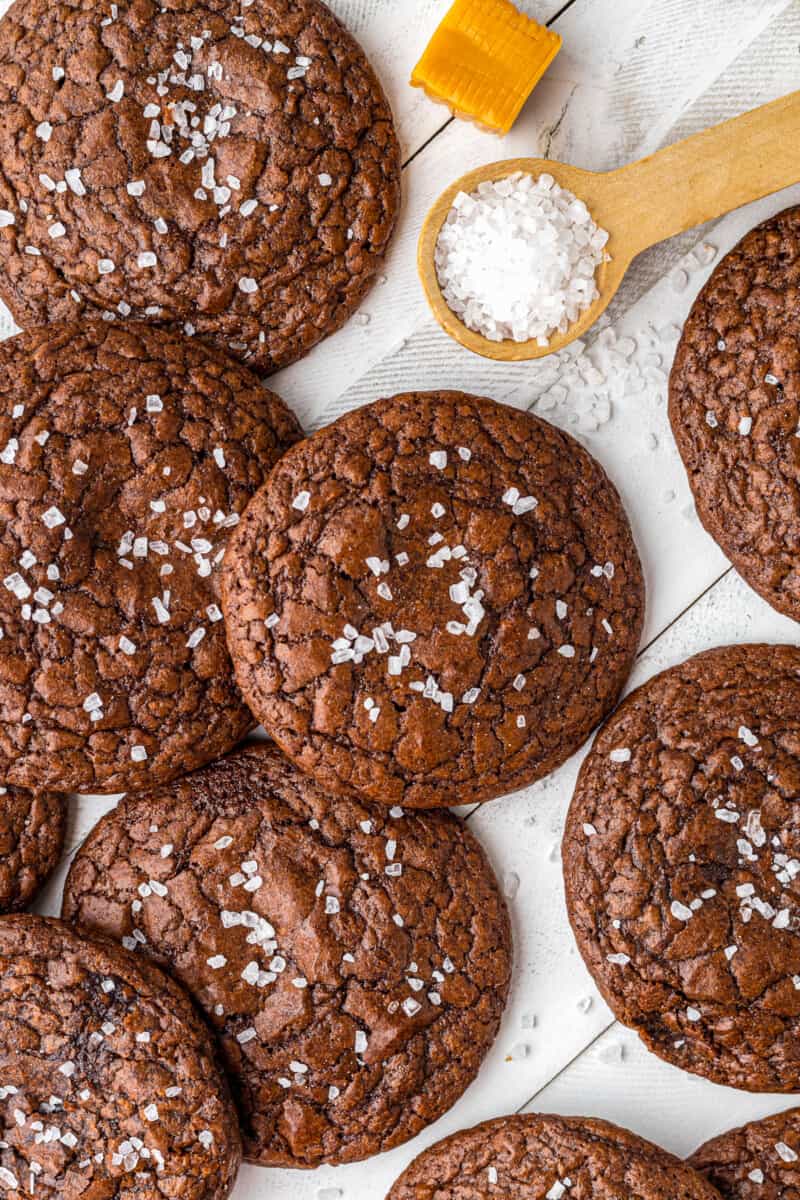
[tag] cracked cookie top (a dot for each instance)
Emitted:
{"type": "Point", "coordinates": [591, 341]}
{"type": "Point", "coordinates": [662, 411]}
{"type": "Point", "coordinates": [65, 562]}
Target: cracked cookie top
{"type": "Point", "coordinates": [735, 408]}
{"type": "Point", "coordinates": [528, 1155]}
{"type": "Point", "coordinates": [110, 1087]}
{"type": "Point", "coordinates": [126, 456]}
{"type": "Point", "coordinates": [759, 1161]}
{"type": "Point", "coordinates": [681, 863]}
{"type": "Point", "coordinates": [32, 827]}
{"type": "Point", "coordinates": [353, 961]}
{"type": "Point", "coordinates": [433, 600]}
{"type": "Point", "coordinates": [229, 169]}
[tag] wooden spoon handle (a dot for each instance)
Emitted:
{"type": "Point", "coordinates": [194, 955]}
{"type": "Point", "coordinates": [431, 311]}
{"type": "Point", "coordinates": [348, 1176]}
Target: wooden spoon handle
{"type": "Point", "coordinates": [709, 174]}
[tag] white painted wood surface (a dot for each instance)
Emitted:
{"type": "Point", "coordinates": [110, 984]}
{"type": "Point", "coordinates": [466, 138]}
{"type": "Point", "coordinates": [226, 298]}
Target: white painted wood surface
{"type": "Point", "coordinates": [634, 75]}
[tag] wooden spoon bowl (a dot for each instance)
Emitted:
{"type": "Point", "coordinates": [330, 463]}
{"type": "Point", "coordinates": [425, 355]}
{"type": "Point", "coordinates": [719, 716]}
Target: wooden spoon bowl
{"type": "Point", "coordinates": [639, 205]}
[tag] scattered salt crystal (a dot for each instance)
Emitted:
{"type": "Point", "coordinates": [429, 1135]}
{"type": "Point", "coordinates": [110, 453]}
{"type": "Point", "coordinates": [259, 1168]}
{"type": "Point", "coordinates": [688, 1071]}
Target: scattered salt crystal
{"type": "Point", "coordinates": [612, 1053]}
{"type": "Point", "coordinates": [704, 254]}
{"type": "Point", "coordinates": [510, 884]}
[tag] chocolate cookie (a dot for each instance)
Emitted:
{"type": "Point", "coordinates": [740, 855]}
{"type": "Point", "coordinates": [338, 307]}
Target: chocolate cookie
{"type": "Point", "coordinates": [759, 1161]}
{"type": "Point", "coordinates": [32, 828]}
{"type": "Point", "coordinates": [735, 408]}
{"type": "Point", "coordinates": [354, 962]}
{"type": "Point", "coordinates": [433, 600]}
{"type": "Point", "coordinates": [229, 169]}
{"type": "Point", "coordinates": [126, 456]}
{"type": "Point", "coordinates": [529, 1155]}
{"type": "Point", "coordinates": [109, 1086]}
{"type": "Point", "coordinates": [682, 865]}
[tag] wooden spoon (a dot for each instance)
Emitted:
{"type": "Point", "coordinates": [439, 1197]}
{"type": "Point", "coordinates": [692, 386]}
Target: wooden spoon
{"type": "Point", "coordinates": [667, 193]}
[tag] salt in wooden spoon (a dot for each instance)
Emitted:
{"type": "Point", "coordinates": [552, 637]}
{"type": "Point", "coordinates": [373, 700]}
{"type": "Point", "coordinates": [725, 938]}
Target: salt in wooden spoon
{"type": "Point", "coordinates": [655, 198]}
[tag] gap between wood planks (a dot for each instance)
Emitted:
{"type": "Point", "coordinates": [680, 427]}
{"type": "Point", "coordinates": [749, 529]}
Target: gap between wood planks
{"type": "Point", "coordinates": [450, 120]}
{"type": "Point", "coordinates": [562, 1070]}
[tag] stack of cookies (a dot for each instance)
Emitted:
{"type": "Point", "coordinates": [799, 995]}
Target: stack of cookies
{"type": "Point", "coordinates": [286, 948]}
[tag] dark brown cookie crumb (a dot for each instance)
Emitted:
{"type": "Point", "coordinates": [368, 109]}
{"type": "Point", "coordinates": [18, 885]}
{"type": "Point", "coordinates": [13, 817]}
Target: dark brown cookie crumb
{"type": "Point", "coordinates": [433, 600]}
{"type": "Point", "coordinates": [682, 865]}
{"type": "Point", "coordinates": [759, 1161]}
{"type": "Point", "coordinates": [528, 1155]}
{"type": "Point", "coordinates": [229, 170]}
{"type": "Point", "coordinates": [735, 408]}
{"type": "Point", "coordinates": [32, 827]}
{"type": "Point", "coordinates": [109, 1087]}
{"type": "Point", "coordinates": [354, 962]}
{"type": "Point", "coordinates": [126, 456]}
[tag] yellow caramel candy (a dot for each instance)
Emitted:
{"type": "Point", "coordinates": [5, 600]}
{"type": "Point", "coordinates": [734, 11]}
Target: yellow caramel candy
{"type": "Point", "coordinates": [484, 61]}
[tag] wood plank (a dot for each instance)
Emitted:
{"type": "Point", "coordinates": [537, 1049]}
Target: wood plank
{"type": "Point", "coordinates": [617, 1079]}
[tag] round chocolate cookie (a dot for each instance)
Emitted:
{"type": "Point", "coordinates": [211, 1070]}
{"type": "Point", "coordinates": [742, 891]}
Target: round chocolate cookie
{"type": "Point", "coordinates": [682, 865]}
{"type": "Point", "coordinates": [229, 169]}
{"type": "Point", "coordinates": [354, 962]}
{"type": "Point", "coordinates": [126, 456]}
{"type": "Point", "coordinates": [759, 1161]}
{"type": "Point", "coordinates": [735, 408]}
{"type": "Point", "coordinates": [529, 1155]}
{"type": "Point", "coordinates": [32, 827]}
{"type": "Point", "coordinates": [433, 600]}
{"type": "Point", "coordinates": [109, 1087]}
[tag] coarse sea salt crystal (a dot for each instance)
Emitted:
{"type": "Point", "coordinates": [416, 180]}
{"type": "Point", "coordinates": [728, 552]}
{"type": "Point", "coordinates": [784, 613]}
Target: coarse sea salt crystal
{"type": "Point", "coordinates": [516, 259]}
